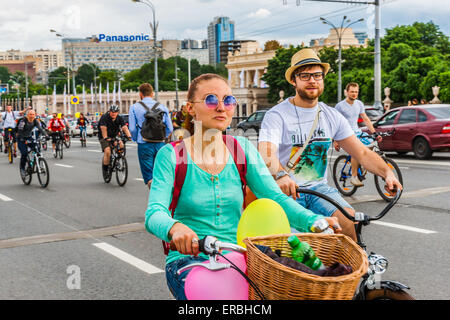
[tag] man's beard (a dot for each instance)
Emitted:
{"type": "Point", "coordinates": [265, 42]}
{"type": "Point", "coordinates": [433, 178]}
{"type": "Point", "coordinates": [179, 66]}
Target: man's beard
{"type": "Point", "coordinates": [305, 95]}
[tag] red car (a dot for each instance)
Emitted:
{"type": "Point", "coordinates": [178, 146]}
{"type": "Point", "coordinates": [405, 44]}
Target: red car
{"type": "Point", "coordinates": [422, 129]}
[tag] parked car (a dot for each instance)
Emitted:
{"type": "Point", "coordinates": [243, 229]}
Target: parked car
{"type": "Point", "coordinates": [95, 126]}
{"type": "Point", "coordinates": [253, 122]}
{"type": "Point", "coordinates": [76, 132]}
{"type": "Point", "coordinates": [422, 129]}
{"type": "Point", "coordinates": [373, 113]}
{"type": "Point", "coordinates": [125, 117]}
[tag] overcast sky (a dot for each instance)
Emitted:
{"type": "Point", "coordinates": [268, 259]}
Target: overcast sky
{"type": "Point", "coordinates": [25, 24]}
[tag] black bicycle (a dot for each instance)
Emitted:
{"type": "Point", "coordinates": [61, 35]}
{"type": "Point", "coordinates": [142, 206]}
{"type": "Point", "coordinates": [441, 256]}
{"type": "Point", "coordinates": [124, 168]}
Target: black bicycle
{"type": "Point", "coordinates": [371, 286]}
{"type": "Point", "coordinates": [117, 162]}
{"type": "Point", "coordinates": [36, 164]}
{"type": "Point", "coordinates": [342, 171]}
{"type": "Point", "coordinates": [58, 152]}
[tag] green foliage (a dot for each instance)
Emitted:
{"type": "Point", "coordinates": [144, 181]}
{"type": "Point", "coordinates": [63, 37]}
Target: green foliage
{"type": "Point", "coordinates": [414, 59]}
{"type": "Point", "coordinates": [276, 69]}
{"type": "Point", "coordinates": [4, 74]}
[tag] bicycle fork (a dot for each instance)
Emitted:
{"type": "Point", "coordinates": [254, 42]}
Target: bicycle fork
{"type": "Point", "coordinates": [372, 280]}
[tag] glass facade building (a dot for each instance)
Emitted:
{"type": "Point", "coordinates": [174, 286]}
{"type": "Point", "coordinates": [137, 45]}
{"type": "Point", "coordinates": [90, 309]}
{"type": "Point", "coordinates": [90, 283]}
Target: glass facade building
{"type": "Point", "coordinates": [220, 29]}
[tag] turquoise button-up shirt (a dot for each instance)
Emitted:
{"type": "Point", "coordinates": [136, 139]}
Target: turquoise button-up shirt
{"type": "Point", "coordinates": [212, 204]}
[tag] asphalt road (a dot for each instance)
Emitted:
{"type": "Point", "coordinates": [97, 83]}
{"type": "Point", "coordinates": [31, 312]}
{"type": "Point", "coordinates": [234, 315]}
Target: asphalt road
{"type": "Point", "coordinates": [83, 239]}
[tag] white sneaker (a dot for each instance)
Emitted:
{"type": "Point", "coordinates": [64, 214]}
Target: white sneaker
{"type": "Point", "coordinates": [355, 181]}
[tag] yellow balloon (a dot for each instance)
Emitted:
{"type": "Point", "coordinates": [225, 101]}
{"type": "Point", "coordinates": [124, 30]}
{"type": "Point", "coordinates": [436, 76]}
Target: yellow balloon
{"type": "Point", "coordinates": [77, 115]}
{"type": "Point", "coordinates": [59, 115]}
{"type": "Point", "coordinates": [262, 217]}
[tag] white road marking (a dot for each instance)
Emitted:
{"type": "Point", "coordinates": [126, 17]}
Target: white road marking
{"type": "Point", "coordinates": [63, 165]}
{"type": "Point", "coordinates": [94, 151]}
{"type": "Point", "coordinates": [399, 226]}
{"type": "Point", "coordinates": [425, 162]}
{"type": "Point", "coordinates": [139, 179]}
{"type": "Point", "coordinates": [5, 198]}
{"type": "Point", "coordinates": [126, 257]}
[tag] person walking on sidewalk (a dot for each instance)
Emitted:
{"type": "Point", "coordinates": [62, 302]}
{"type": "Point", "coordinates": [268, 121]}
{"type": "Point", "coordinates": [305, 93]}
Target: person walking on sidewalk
{"type": "Point", "coordinates": [147, 150]}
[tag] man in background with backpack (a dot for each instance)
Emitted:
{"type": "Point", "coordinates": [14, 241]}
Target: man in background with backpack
{"type": "Point", "coordinates": [150, 125]}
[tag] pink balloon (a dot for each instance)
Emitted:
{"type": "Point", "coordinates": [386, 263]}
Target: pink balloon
{"type": "Point", "coordinates": [226, 284]}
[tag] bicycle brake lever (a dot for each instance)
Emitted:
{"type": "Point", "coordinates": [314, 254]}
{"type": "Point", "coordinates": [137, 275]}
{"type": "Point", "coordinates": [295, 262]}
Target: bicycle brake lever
{"type": "Point", "coordinates": [212, 265]}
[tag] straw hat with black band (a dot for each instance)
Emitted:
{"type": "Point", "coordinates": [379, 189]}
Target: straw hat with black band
{"type": "Point", "coordinates": [302, 58]}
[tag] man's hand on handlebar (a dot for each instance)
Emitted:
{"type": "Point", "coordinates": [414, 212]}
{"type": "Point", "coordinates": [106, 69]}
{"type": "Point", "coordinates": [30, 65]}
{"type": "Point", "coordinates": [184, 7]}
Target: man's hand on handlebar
{"type": "Point", "coordinates": [392, 183]}
{"type": "Point", "coordinates": [288, 186]}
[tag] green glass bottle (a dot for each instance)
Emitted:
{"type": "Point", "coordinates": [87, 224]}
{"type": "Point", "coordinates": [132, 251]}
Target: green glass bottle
{"type": "Point", "coordinates": [302, 252]}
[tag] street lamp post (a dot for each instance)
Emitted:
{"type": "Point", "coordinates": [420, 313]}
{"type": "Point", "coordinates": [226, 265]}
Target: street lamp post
{"type": "Point", "coordinates": [340, 32]}
{"type": "Point", "coordinates": [154, 27]}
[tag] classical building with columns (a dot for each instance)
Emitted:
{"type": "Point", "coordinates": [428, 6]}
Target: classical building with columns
{"type": "Point", "coordinates": [56, 103]}
{"type": "Point", "coordinates": [245, 69]}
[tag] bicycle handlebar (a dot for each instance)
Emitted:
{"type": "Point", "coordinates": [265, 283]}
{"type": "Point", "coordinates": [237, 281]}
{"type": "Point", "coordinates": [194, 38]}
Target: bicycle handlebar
{"type": "Point", "coordinates": [359, 217]}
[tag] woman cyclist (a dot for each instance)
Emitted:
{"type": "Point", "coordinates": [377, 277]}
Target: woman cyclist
{"type": "Point", "coordinates": [82, 122]}
{"type": "Point", "coordinates": [211, 200]}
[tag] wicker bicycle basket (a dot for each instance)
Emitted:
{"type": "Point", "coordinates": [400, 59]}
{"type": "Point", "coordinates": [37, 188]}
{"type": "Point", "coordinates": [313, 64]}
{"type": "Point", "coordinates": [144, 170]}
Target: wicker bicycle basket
{"type": "Point", "coordinates": [279, 282]}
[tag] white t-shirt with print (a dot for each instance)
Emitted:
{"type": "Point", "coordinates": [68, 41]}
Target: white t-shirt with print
{"type": "Point", "coordinates": [351, 112]}
{"type": "Point", "coordinates": [288, 127]}
{"type": "Point", "coordinates": [9, 119]}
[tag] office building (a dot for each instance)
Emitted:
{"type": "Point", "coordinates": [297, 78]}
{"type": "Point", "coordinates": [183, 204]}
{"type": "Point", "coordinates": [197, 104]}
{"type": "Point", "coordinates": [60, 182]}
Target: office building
{"type": "Point", "coordinates": [243, 46]}
{"type": "Point", "coordinates": [111, 53]}
{"type": "Point", "coordinates": [220, 29]}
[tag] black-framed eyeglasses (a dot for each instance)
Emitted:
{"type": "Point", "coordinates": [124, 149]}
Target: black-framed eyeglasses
{"type": "Point", "coordinates": [306, 76]}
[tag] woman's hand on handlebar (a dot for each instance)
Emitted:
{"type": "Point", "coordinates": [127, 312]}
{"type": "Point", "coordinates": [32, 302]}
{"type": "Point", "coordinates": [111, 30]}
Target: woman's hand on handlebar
{"type": "Point", "coordinates": [184, 239]}
{"type": "Point", "coordinates": [334, 224]}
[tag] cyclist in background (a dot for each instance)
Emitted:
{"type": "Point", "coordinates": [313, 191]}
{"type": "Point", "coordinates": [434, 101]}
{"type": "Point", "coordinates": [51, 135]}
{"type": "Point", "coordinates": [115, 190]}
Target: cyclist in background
{"type": "Point", "coordinates": [82, 122]}
{"type": "Point", "coordinates": [109, 127]}
{"type": "Point", "coordinates": [9, 119]}
{"type": "Point", "coordinates": [56, 127]}
{"type": "Point", "coordinates": [25, 127]}
{"type": "Point", "coordinates": [351, 108]}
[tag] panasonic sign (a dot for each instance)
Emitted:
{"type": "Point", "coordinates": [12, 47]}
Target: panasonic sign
{"type": "Point", "coordinates": [127, 38]}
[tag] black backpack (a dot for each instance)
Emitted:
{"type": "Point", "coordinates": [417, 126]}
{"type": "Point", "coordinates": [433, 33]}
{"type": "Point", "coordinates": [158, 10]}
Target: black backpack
{"type": "Point", "coordinates": [153, 128]}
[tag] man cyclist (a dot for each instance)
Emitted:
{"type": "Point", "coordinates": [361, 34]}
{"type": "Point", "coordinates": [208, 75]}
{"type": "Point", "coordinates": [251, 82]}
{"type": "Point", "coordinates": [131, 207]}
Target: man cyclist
{"type": "Point", "coordinates": [82, 122]}
{"type": "Point", "coordinates": [25, 127]}
{"type": "Point", "coordinates": [110, 125]}
{"type": "Point", "coordinates": [297, 133]}
{"type": "Point", "coordinates": [351, 108]}
{"type": "Point", "coordinates": [56, 127]}
{"type": "Point", "coordinates": [9, 119]}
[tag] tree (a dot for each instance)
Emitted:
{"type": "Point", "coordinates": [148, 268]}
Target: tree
{"type": "Point", "coordinates": [85, 74]}
{"type": "Point", "coordinates": [4, 74]}
{"type": "Point", "coordinates": [272, 45]}
{"type": "Point", "coordinates": [276, 69]}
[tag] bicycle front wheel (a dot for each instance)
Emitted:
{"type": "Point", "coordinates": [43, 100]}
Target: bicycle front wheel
{"type": "Point", "coordinates": [26, 178]}
{"type": "Point", "coordinates": [379, 182]}
{"type": "Point", "coordinates": [10, 153]}
{"type": "Point", "coordinates": [67, 141]}
{"type": "Point", "coordinates": [43, 172]}
{"type": "Point", "coordinates": [388, 294]}
{"type": "Point", "coordinates": [60, 150]}
{"type": "Point", "coordinates": [342, 172]}
{"type": "Point", "coordinates": [121, 171]}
